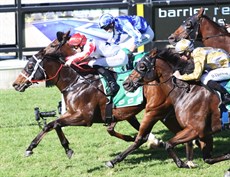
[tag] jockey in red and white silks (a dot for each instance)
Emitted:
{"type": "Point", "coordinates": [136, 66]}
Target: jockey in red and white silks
{"type": "Point", "coordinates": [101, 53]}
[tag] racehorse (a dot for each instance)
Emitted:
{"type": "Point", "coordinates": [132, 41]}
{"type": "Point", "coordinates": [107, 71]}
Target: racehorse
{"type": "Point", "coordinates": [77, 89]}
{"type": "Point", "coordinates": [83, 107]}
{"type": "Point", "coordinates": [196, 108]}
{"type": "Point", "coordinates": [200, 27]}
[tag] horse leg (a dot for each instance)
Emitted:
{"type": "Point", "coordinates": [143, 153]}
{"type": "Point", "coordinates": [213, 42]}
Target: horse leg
{"type": "Point", "coordinates": [183, 136]}
{"type": "Point", "coordinates": [141, 138]}
{"type": "Point", "coordinates": [152, 140]}
{"type": "Point", "coordinates": [189, 154]}
{"type": "Point", "coordinates": [64, 141]}
{"type": "Point", "coordinates": [112, 132]}
{"type": "Point", "coordinates": [77, 120]}
{"type": "Point", "coordinates": [38, 138]}
{"type": "Point", "coordinates": [207, 150]}
{"type": "Point", "coordinates": [137, 143]}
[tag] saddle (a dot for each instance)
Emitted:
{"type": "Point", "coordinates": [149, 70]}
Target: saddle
{"type": "Point", "coordinates": [122, 98]}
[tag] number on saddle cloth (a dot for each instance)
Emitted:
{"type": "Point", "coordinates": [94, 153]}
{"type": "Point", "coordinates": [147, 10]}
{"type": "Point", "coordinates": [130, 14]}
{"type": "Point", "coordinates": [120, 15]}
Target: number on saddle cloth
{"type": "Point", "coordinates": [124, 98]}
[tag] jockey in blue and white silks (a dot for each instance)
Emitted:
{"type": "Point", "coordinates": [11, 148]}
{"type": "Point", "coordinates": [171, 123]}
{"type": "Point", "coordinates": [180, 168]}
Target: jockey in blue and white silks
{"type": "Point", "coordinates": [136, 27]}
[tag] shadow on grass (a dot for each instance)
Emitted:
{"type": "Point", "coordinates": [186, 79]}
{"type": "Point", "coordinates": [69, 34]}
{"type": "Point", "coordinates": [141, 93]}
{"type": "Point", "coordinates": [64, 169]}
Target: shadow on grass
{"type": "Point", "coordinates": [221, 146]}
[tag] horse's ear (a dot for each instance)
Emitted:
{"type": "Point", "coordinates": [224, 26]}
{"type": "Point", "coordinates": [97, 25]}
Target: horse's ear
{"type": "Point", "coordinates": [201, 11]}
{"type": "Point", "coordinates": [67, 35]}
{"type": "Point", "coordinates": [153, 52]}
{"type": "Point", "coordinates": [60, 36]}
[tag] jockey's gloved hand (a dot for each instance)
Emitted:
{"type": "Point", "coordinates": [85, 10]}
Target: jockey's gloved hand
{"type": "Point", "coordinates": [130, 57]}
{"type": "Point", "coordinates": [69, 61]}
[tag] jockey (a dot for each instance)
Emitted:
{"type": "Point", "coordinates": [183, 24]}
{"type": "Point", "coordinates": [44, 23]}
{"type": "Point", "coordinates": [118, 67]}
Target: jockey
{"type": "Point", "coordinates": [210, 65]}
{"type": "Point", "coordinates": [103, 56]}
{"type": "Point", "coordinates": [138, 30]}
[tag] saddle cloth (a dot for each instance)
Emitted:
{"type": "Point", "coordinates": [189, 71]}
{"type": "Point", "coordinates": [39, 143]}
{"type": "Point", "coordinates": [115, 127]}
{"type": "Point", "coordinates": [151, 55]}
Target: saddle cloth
{"type": "Point", "coordinates": [124, 98]}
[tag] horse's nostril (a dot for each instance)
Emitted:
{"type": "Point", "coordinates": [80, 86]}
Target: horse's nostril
{"type": "Point", "coordinates": [171, 37]}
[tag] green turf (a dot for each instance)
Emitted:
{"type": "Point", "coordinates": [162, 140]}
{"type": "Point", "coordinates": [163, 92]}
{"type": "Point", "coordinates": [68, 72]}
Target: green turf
{"type": "Point", "coordinates": [93, 146]}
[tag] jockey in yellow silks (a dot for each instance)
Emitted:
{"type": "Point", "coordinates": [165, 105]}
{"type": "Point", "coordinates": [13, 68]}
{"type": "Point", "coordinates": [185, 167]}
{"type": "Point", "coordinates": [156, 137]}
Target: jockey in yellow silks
{"type": "Point", "coordinates": [210, 65]}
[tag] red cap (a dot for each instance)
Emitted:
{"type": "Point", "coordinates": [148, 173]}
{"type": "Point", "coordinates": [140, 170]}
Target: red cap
{"type": "Point", "coordinates": [78, 40]}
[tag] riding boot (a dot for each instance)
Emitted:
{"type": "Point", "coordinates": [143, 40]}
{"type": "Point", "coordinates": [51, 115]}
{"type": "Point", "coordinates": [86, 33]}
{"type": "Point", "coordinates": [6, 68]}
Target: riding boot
{"type": "Point", "coordinates": [114, 87]}
{"type": "Point", "coordinates": [218, 87]}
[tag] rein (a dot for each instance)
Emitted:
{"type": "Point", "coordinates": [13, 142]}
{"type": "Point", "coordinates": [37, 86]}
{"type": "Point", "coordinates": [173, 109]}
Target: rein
{"type": "Point", "coordinates": [158, 84]}
{"type": "Point", "coordinates": [197, 32]}
{"type": "Point", "coordinates": [89, 81]}
{"type": "Point", "coordinates": [55, 75]}
{"type": "Point", "coordinates": [151, 64]}
{"type": "Point", "coordinates": [36, 67]}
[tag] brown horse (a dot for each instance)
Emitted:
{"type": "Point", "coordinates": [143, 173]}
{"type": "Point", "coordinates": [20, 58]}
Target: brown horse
{"type": "Point", "coordinates": [77, 89]}
{"type": "Point", "coordinates": [197, 109]}
{"type": "Point", "coordinates": [200, 27]}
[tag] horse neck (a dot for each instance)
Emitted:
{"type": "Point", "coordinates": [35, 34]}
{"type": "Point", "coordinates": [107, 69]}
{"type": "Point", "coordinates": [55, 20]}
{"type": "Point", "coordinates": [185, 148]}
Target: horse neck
{"type": "Point", "coordinates": [164, 72]}
{"type": "Point", "coordinates": [213, 35]}
{"type": "Point", "coordinates": [208, 29]}
{"type": "Point", "coordinates": [60, 75]}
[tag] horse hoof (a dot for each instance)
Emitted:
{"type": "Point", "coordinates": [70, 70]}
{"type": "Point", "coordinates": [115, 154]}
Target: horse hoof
{"type": "Point", "coordinates": [69, 153]}
{"type": "Point", "coordinates": [191, 164]}
{"type": "Point", "coordinates": [28, 153]}
{"type": "Point", "coordinates": [109, 164]}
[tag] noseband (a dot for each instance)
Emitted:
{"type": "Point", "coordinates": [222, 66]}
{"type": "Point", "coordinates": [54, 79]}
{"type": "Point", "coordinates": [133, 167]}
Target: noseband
{"type": "Point", "coordinates": [191, 27]}
{"type": "Point", "coordinates": [148, 64]}
{"type": "Point", "coordinates": [36, 67]}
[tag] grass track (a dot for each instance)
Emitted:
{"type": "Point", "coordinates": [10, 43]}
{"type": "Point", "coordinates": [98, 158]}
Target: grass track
{"type": "Point", "coordinates": [92, 145]}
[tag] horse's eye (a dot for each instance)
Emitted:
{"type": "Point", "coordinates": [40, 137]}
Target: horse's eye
{"type": "Point", "coordinates": [142, 67]}
{"type": "Point", "coordinates": [189, 25]}
{"type": "Point", "coordinates": [30, 67]}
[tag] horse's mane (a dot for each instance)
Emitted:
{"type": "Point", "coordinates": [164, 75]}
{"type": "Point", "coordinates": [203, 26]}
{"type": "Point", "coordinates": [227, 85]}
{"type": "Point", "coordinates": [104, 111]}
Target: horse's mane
{"type": "Point", "coordinates": [222, 28]}
{"type": "Point", "coordinates": [174, 60]}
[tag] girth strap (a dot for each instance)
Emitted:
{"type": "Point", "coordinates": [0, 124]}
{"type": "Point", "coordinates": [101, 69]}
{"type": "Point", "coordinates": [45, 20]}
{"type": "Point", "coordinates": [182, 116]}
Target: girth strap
{"type": "Point", "coordinates": [109, 118]}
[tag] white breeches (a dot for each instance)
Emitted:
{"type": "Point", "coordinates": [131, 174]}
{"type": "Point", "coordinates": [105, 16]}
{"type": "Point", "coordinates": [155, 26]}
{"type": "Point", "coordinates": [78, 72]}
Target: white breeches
{"type": "Point", "coordinates": [120, 59]}
{"type": "Point", "coordinates": [219, 74]}
{"type": "Point", "coordinates": [146, 38]}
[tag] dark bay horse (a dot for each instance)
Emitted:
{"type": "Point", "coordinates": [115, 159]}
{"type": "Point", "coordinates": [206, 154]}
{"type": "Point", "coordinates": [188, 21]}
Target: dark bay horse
{"type": "Point", "coordinates": [196, 108]}
{"type": "Point", "coordinates": [83, 107]}
{"type": "Point", "coordinates": [200, 27]}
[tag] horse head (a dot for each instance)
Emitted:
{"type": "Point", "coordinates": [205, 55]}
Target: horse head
{"type": "Point", "coordinates": [143, 72]}
{"type": "Point", "coordinates": [157, 66]}
{"type": "Point", "coordinates": [34, 70]}
{"type": "Point", "coordinates": [188, 29]}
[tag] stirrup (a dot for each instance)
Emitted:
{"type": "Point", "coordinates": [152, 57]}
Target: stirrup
{"type": "Point", "coordinates": [113, 88]}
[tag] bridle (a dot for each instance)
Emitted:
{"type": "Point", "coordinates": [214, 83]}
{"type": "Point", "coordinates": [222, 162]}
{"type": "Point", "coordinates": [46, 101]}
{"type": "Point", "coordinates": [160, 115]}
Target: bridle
{"type": "Point", "coordinates": [144, 66]}
{"type": "Point", "coordinates": [148, 64]}
{"type": "Point", "coordinates": [38, 66]}
{"type": "Point", "coordinates": [192, 29]}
